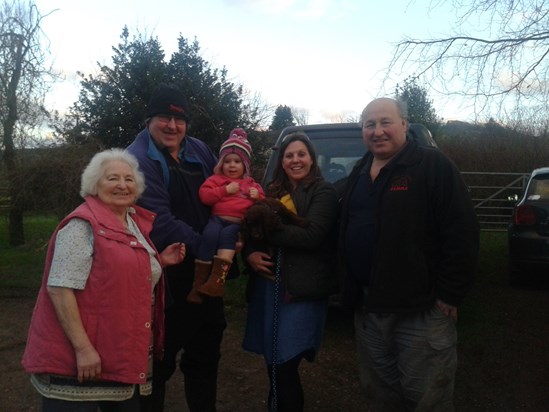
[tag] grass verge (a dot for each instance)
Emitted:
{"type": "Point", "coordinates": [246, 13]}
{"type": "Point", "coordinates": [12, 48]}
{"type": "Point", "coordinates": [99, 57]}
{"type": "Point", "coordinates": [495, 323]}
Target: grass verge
{"type": "Point", "coordinates": [21, 267]}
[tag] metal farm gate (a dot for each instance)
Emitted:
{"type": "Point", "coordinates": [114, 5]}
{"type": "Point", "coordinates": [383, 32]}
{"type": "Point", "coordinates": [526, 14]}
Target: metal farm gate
{"type": "Point", "coordinates": [494, 194]}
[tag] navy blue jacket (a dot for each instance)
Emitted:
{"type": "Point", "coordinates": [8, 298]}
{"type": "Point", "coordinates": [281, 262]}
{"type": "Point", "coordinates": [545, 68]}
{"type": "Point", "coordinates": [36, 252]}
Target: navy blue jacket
{"type": "Point", "coordinates": [167, 228]}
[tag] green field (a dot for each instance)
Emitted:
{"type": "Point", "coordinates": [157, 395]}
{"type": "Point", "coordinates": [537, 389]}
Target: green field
{"type": "Point", "coordinates": [21, 267]}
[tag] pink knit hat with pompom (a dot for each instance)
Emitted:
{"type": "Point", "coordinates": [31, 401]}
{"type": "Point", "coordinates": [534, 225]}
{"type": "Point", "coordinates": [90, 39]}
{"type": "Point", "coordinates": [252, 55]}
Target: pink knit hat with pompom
{"type": "Point", "coordinates": [237, 143]}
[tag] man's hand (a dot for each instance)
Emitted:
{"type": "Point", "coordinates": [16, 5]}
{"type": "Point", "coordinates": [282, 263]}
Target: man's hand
{"type": "Point", "coordinates": [447, 309]}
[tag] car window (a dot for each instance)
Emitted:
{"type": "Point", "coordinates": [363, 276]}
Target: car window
{"type": "Point", "coordinates": [336, 157]}
{"type": "Point", "coordinates": [337, 153]}
{"type": "Point", "coordinates": [538, 189]}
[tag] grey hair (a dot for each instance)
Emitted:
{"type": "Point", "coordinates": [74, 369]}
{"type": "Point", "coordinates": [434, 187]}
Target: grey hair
{"type": "Point", "coordinates": [401, 105]}
{"type": "Point", "coordinates": [96, 168]}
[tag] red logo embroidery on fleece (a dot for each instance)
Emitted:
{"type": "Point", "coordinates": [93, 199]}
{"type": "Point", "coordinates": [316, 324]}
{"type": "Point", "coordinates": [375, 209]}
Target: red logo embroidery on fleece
{"type": "Point", "coordinates": [399, 184]}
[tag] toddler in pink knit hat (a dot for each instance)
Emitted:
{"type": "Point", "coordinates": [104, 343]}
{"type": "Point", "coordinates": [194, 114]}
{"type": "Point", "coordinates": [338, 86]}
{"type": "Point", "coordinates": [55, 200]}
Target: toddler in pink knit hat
{"type": "Point", "coordinates": [230, 191]}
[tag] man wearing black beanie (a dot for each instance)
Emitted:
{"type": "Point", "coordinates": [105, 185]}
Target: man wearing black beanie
{"type": "Point", "coordinates": [175, 165]}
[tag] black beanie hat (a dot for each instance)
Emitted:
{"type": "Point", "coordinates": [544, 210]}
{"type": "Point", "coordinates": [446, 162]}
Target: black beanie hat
{"type": "Point", "coordinates": [167, 99]}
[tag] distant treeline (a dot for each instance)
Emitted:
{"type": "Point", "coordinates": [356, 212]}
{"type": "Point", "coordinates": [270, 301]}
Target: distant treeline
{"type": "Point", "coordinates": [49, 178]}
{"type": "Point", "coordinates": [491, 147]}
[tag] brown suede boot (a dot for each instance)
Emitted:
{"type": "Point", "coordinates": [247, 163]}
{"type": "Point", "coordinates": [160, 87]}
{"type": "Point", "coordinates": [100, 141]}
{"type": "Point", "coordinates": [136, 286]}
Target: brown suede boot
{"type": "Point", "coordinates": [201, 272]}
{"type": "Point", "coordinates": [215, 284]}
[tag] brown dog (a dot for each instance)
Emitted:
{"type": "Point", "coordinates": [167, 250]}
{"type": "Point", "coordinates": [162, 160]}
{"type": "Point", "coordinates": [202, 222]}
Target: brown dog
{"type": "Point", "coordinates": [265, 216]}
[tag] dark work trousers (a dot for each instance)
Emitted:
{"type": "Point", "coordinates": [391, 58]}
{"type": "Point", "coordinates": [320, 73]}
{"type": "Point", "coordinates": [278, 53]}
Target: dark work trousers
{"type": "Point", "coordinates": [195, 330]}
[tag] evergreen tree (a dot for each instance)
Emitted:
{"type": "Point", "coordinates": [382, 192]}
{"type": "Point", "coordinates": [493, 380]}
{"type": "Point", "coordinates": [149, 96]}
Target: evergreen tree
{"type": "Point", "coordinates": [420, 107]}
{"type": "Point", "coordinates": [112, 105]}
{"type": "Point", "coordinates": [283, 117]}
{"type": "Point", "coordinates": [216, 103]}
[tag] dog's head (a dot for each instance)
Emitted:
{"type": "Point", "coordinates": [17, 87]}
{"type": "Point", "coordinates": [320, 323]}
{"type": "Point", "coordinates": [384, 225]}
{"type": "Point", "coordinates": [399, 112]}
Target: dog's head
{"type": "Point", "coordinates": [260, 219]}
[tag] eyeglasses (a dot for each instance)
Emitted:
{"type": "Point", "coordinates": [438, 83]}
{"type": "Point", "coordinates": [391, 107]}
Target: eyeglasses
{"type": "Point", "coordinates": [164, 118]}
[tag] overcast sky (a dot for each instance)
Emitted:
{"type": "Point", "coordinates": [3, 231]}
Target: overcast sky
{"type": "Point", "coordinates": [325, 56]}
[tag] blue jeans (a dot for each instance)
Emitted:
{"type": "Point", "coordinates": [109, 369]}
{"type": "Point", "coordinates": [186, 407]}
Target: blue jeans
{"type": "Point", "coordinates": [407, 361]}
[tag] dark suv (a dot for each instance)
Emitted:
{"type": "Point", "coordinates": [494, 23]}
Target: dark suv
{"type": "Point", "coordinates": [339, 146]}
{"type": "Point", "coordinates": [528, 230]}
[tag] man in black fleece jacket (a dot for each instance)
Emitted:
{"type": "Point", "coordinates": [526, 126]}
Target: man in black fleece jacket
{"type": "Point", "coordinates": [409, 247]}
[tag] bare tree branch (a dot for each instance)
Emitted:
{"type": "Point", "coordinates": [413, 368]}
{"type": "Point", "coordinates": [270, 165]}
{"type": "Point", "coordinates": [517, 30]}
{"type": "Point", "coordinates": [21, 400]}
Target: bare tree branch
{"type": "Point", "coordinates": [509, 66]}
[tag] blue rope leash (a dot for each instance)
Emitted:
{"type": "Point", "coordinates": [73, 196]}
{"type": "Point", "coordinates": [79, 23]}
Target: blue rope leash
{"type": "Point", "coordinates": [278, 262]}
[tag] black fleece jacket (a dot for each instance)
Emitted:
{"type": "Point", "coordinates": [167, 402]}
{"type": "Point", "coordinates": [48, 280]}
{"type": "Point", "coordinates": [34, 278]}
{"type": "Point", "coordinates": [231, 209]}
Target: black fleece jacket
{"type": "Point", "coordinates": [427, 235]}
